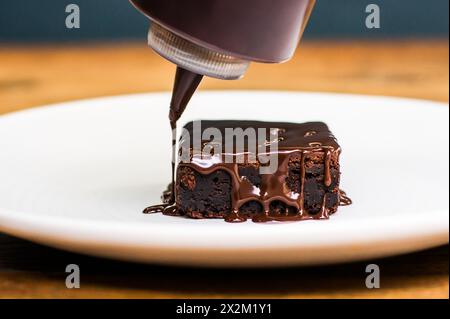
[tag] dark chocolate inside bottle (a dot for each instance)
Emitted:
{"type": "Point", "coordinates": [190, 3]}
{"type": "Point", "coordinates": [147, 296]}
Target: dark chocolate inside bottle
{"type": "Point", "coordinates": [255, 30]}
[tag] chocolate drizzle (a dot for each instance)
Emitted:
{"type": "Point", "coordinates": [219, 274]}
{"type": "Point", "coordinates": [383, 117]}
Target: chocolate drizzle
{"type": "Point", "coordinates": [316, 141]}
{"type": "Point", "coordinates": [344, 200]}
{"type": "Point", "coordinates": [243, 191]}
{"type": "Point", "coordinates": [186, 82]}
{"type": "Point", "coordinates": [185, 85]}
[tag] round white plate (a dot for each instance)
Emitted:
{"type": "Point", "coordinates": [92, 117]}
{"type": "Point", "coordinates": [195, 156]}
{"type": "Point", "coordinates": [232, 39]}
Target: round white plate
{"type": "Point", "coordinates": [77, 175]}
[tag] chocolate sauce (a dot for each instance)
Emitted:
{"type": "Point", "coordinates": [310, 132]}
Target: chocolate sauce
{"type": "Point", "coordinates": [185, 85]}
{"type": "Point", "coordinates": [344, 200]}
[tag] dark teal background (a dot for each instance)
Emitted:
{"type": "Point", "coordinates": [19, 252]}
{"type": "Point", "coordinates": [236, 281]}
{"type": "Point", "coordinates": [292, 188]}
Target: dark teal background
{"type": "Point", "coordinates": [44, 20]}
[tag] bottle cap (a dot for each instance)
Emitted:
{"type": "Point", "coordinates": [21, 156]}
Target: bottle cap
{"type": "Point", "coordinates": [193, 57]}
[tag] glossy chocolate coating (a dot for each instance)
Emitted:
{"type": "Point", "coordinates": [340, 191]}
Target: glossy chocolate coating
{"type": "Point", "coordinates": [301, 141]}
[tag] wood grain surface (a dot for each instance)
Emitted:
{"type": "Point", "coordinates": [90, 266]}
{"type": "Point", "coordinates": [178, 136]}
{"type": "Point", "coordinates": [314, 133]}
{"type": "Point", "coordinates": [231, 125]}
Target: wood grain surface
{"type": "Point", "coordinates": [36, 75]}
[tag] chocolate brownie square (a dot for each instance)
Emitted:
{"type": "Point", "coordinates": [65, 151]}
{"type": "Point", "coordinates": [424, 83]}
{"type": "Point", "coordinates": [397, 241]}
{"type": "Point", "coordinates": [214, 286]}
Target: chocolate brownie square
{"type": "Point", "coordinates": [230, 179]}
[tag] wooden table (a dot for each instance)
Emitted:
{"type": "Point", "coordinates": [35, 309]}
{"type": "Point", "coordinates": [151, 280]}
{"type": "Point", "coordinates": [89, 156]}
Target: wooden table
{"type": "Point", "coordinates": [32, 76]}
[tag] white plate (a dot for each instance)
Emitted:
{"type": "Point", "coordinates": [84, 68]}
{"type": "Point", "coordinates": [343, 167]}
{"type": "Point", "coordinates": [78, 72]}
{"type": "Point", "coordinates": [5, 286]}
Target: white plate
{"type": "Point", "coordinates": [77, 175]}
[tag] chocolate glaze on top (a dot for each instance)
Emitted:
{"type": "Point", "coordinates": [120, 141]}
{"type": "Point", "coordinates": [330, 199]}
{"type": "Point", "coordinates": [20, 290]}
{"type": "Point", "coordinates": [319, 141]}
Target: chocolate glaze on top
{"type": "Point", "coordinates": [291, 136]}
{"type": "Point", "coordinates": [300, 140]}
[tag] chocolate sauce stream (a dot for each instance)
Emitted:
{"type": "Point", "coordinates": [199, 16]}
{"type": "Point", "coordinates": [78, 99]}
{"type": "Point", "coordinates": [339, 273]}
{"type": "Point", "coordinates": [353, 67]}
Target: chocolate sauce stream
{"type": "Point", "coordinates": [185, 85]}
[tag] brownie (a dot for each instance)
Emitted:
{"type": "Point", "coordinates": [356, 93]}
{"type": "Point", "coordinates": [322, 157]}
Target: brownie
{"type": "Point", "coordinates": [303, 185]}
